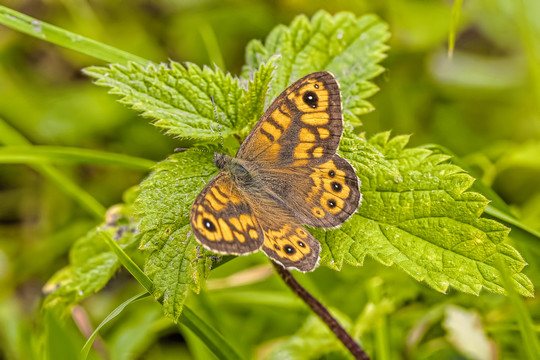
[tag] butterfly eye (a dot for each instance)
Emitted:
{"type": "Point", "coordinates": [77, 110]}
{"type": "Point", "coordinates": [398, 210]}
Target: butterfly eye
{"type": "Point", "coordinates": [209, 225]}
{"type": "Point", "coordinates": [331, 173]}
{"type": "Point", "coordinates": [311, 99]}
{"type": "Point", "coordinates": [289, 249]}
{"type": "Point", "coordinates": [336, 186]}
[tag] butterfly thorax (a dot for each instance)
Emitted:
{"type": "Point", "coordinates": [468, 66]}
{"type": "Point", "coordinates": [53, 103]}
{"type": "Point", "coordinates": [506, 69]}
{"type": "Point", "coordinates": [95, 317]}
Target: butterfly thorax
{"type": "Point", "coordinates": [237, 168]}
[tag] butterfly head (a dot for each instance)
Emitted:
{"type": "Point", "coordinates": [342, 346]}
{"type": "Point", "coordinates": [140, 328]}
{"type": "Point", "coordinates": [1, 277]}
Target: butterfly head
{"type": "Point", "coordinates": [222, 161]}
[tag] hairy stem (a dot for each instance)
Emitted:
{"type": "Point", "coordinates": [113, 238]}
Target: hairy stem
{"type": "Point", "coordinates": [322, 312]}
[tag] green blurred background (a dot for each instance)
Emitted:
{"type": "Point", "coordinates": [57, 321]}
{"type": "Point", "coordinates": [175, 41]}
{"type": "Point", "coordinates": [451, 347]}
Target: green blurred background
{"type": "Point", "coordinates": [483, 104]}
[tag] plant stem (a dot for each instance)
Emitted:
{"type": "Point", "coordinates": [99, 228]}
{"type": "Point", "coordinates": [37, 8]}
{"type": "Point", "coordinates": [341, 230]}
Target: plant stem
{"type": "Point", "coordinates": [322, 312]}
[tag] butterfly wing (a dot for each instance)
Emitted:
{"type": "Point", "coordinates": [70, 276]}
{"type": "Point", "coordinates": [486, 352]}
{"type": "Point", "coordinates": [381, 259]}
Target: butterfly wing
{"type": "Point", "coordinates": [302, 126]}
{"type": "Point", "coordinates": [289, 244]}
{"type": "Point", "coordinates": [223, 221]}
{"type": "Point", "coordinates": [323, 195]}
{"type": "Point", "coordinates": [329, 194]}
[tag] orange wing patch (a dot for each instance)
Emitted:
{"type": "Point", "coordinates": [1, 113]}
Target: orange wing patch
{"type": "Point", "coordinates": [222, 221]}
{"type": "Point", "coordinates": [312, 100]}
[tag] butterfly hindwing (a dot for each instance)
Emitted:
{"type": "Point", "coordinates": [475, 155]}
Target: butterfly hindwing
{"type": "Point", "coordinates": [322, 195]}
{"type": "Point", "coordinates": [303, 125]}
{"type": "Point", "coordinates": [333, 195]}
{"type": "Point", "coordinates": [223, 221]}
{"type": "Point", "coordinates": [291, 245]}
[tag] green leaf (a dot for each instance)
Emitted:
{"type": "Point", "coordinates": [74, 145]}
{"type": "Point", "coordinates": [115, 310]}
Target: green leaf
{"type": "Point", "coordinates": [416, 211]}
{"type": "Point", "coordinates": [497, 207]}
{"type": "Point", "coordinates": [259, 84]}
{"type": "Point", "coordinates": [424, 221]}
{"type": "Point", "coordinates": [92, 262]}
{"type": "Point", "coordinates": [349, 47]}
{"type": "Point", "coordinates": [59, 339]}
{"type": "Point", "coordinates": [175, 261]}
{"type": "Point", "coordinates": [178, 98]}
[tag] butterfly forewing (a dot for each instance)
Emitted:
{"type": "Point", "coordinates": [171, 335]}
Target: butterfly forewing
{"type": "Point", "coordinates": [223, 221]}
{"type": "Point", "coordinates": [302, 126]}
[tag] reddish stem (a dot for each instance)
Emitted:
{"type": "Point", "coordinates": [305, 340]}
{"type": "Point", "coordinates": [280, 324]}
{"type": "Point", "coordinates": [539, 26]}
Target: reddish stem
{"type": "Point", "coordinates": [322, 312]}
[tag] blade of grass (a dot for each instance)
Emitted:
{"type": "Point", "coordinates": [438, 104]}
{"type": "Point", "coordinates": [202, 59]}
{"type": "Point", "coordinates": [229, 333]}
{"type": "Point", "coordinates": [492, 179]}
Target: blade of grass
{"type": "Point", "coordinates": [39, 154]}
{"type": "Point", "coordinates": [382, 343]}
{"type": "Point", "coordinates": [530, 46]}
{"type": "Point", "coordinates": [454, 20]}
{"type": "Point", "coordinates": [211, 44]}
{"type": "Point", "coordinates": [213, 339]}
{"type": "Point", "coordinates": [9, 136]}
{"type": "Point", "coordinates": [258, 297]}
{"type": "Point", "coordinates": [71, 189]}
{"type": "Point", "coordinates": [210, 336]}
{"type": "Point", "coordinates": [126, 261]}
{"type": "Point", "coordinates": [524, 320]}
{"type": "Point", "coordinates": [59, 36]}
{"type": "Point", "coordinates": [86, 348]}
{"type": "Point", "coordinates": [510, 220]}
{"type": "Point", "coordinates": [508, 327]}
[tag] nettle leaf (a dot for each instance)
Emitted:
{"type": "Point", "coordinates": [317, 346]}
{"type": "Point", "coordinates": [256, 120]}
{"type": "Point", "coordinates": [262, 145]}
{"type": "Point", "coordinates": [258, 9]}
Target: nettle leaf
{"type": "Point", "coordinates": [175, 261]}
{"type": "Point", "coordinates": [424, 221]}
{"type": "Point", "coordinates": [178, 98]}
{"type": "Point", "coordinates": [343, 44]}
{"type": "Point", "coordinates": [92, 262]}
{"type": "Point", "coordinates": [259, 85]}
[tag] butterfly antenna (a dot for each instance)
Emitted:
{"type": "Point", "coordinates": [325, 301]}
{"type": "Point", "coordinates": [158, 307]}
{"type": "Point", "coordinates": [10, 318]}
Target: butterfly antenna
{"type": "Point", "coordinates": [217, 119]}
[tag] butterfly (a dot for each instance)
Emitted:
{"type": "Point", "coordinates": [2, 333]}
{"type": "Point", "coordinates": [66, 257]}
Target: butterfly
{"type": "Point", "coordinates": [286, 174]}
